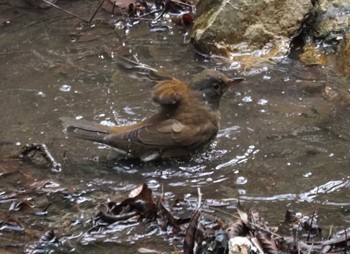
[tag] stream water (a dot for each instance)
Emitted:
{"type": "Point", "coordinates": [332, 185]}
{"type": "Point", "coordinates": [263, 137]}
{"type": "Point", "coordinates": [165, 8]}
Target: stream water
{"type": "Point", "coordinates": [281, 141]}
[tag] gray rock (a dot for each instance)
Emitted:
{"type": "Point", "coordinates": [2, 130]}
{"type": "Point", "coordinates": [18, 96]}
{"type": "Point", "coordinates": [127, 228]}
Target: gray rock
{"type": "Point", "coordinates": [247, 25]}
{"type": "Point", "coordinates": [332, 19]}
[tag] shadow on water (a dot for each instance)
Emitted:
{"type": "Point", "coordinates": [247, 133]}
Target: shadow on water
{"type": "Point", "coordinates": [280, 141]}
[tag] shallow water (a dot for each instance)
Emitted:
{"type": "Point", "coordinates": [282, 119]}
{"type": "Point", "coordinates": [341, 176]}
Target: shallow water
{"type": "Point", "coordinates": [280, 141]}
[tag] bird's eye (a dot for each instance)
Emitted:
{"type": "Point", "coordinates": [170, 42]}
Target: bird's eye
{"type": "Point", "coordinates": [216, 86]}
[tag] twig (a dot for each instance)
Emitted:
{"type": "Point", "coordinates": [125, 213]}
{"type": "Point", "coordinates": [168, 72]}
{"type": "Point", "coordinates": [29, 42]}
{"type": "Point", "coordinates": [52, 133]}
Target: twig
{"type": "Point", "coordinates": [141, 19]}
{"type": "Point", "coordinates": [98, 8]}
{"type": "Point", "coordinates": [44, 211]}
{"type": "Point", "coordinates": [114, 5]}
{"type": "Point", "coordinates": [149, 13]}
{"type": "Point", "coordinates": [311, 224]}
{"type": "Point", "coordinates": [68, 12]}
{"type": "Point", "coordinates": [44, 151]}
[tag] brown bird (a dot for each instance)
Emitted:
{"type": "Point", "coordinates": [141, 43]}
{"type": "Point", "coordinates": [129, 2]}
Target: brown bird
{"type": "Point", "coordinates": [188, 118]}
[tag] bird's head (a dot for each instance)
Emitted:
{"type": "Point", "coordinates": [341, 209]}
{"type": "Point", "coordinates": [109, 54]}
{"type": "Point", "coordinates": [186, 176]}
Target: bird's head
{"type": "Point", "coordinates": [210, 85]}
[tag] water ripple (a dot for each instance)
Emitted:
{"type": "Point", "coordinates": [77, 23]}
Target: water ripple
{"type": "Point", "coordinates": [239, 158]}
{"type": "Point", "coordinates": [308, 196]}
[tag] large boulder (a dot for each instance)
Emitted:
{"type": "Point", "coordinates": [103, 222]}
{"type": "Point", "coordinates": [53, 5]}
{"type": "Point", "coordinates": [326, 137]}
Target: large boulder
{"type": "Point", "coordinates": [332, 19]}
{"type": "Point", "coordinates": [229, 26]}
{"type": "Point", "coordinates": [328, 35]}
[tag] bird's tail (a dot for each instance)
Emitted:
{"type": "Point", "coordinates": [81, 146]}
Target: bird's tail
{"type": "Point", "coordinates": [85, 130]}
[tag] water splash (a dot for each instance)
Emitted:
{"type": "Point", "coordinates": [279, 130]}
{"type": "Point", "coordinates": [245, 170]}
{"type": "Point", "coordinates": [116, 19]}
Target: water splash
{"type": "Point", "coordinates": [65, 88]}
{"type": "Point", "coordinates": [247, 99]}
{"type": "Point", "coordinates": [263, 102]}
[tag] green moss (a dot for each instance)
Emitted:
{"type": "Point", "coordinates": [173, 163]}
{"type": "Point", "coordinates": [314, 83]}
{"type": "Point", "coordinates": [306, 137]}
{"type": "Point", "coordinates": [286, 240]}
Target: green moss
{"type": "Point", "coordinates": [204, 5]}
{"type": "Point", "coordinates": [202, 21]}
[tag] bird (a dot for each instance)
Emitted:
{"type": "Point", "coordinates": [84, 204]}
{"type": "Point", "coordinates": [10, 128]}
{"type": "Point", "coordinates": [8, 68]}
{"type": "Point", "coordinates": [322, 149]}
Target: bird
{"type": "Point", "coordinates": [187, 121]}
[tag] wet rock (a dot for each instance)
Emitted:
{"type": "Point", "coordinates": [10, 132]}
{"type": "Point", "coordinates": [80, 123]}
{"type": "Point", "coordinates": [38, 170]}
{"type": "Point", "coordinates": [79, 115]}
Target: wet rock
{"type": "Point", "coordinates": [312, 55]}
{"type": "Point", "coordinates": [339, 96]}
{"type": "Point", "coordinates": [344, 56]}
{"type": "Point", "coordinates": [244, 26]}
{"type": "Point", "coordinates": [327, 36]}
{"type": "Point", "coordinates": [311, 87]}
{"type": "Point", "coordinates": [332, 19]}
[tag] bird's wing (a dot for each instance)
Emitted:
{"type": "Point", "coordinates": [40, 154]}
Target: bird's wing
{"type": "Point", "coordinates": [169, 92]}
{"type": "Point", "coordinates": [140, 70]}
{"type": "Point", "coordinates": [168, 134]}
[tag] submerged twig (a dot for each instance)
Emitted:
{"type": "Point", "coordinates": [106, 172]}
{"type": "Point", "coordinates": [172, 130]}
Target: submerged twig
{"type": "Point", "coordinates": [114, 5]}
{"type": "Point", "coordinates": [44, 151]}
{"type": "Point", "coordinates": [64, 10]}
{"type": "Point", "coordinates": [98, 8]}
{"type": "Point", "coordinates": [311, 224]}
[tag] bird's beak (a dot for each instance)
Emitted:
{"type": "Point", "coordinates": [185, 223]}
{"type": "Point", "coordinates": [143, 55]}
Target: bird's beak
{"type": "Point", "coordinates": [235, 80]}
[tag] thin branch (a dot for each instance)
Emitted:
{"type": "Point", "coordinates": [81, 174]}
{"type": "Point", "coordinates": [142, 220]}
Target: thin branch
{"type": "Point", "coordinates": [114, 5]}
{"type": "Point", "coordinates": [44, 151]}
{"type": "Point", "coordinates": [149, 13]}
{"type": "Point", "coordinates": [311, 224]}
{"type": "Point", "coordinates": [98, 8]}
